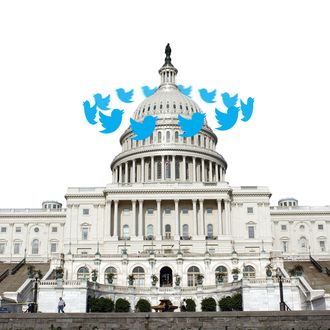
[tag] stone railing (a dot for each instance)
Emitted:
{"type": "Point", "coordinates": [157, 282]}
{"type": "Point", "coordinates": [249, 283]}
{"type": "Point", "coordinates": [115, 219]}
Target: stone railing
{"type": "Point", "coordinates": [33, 210]}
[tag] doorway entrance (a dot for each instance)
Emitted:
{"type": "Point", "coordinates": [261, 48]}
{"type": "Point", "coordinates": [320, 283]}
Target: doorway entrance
{"type": "Point", "coordinates": [166, 277]}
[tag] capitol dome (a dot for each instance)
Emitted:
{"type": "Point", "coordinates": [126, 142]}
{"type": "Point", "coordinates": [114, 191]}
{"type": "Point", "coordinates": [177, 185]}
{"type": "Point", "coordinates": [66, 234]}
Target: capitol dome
{"type": "Point", "coordinates": [166, 156]}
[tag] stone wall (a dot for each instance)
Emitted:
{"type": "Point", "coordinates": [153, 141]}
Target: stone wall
{"type": "Point", "coordinates": [297, 320]}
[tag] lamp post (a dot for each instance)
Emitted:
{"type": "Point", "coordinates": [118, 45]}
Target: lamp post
{"type": "Point", "coordinates": [35, 294]}
{"type": "Point", "coordinates": [282, 303]}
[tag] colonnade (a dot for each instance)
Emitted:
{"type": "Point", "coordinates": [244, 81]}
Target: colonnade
{"type": "Point", "coordinates": [172, 168]}
{"type": "Point", "coordinates": [137, 226]}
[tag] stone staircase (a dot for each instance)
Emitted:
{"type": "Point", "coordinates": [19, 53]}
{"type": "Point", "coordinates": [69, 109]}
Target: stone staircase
{"type": "Point", "coordinates": [316, 279]}
{"type": "Point", "coordinates": [13, 282]}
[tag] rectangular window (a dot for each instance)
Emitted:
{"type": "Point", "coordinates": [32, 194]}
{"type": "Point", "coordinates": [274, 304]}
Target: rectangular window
{"type": "Point", "coordinates": [3, 229]}
{"type": "Point", "coordinates": [250, 210]}
{"type": "Point", "coordinates": [285, 245]}
{"type": "Point", "coordinates": [17, 248]}
{"type": "Point", "coordinates": [251, 231]}
{"type": "Point", "coordinates": [283, 227]}
{"type": "Point", "coordinates": [320, 227]}
{"type": "Point", "coordinates": [322, 246]}
{"type": "Point", "coordinates": [167, 210]}
{"type": "Point", "coordinates": [2, 248]}
{"type": "Point", "coordinates": [150, 211]}
{"type": "Point", "coordinates": [53, 247]}
{"type": "Point", "coordinates": [184, 210]}
{"type": "Point", "coordinates": [85, 211]}
{"type": "Point", "coordinates": [54, 229]}
{"type": "Point", "coordinates": [209, 210]}
{"type": "Point", "coordinates": [18, 229]}
{"type": "Point", "coordinates": [84, 234]}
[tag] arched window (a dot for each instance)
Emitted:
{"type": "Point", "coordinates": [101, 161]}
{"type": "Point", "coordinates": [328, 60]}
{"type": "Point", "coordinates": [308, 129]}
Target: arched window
{"type": "Point", "coordinates": [185, 231]}
{"type": "Point", "coordinates": [184, 140]}
{"type": "Point", "coordinates": [159, 137]}
{"type": "Point", "coordinates": [125, 231]}
{"type": "Point", "coordinates": [302, 243]}
{"type": "Point", "coordinates": [168, 136]}
{"type": "Point", "coordinates": [177, 169]}
{"type": "Point", "coordinates": [187, 170]}
{"type": "Point", "coordinates": [199, 140]}
{"type": "Point", "coordinates": [138, 273]}
{"type": "Point", "coordinates": [167, 169]}
{"type": "Point", "coordinates": [149, 170]}
{"type": "Point", "coordinates": [159, 169]}
{"type": "Point", "coordinates": [249, 272]}
{"type": "Point", "coordinates": [168, 231]}
{"type": "Point", "coordinates": [223, 271]}
{"type": "Point", "coordinates": [192, 140]}
{"type": "Point", "coordinates": [110, 270]}
{"type": "Point", "coordinates": [205, 141]}
{"type": "Point", "coordinates": [176, 136]}
{"type": "Point", "coordinates": [150, 231]}
{"type": "Point", "coordinates": [83, 273]}
{"type": "Point", "coordinates": [151, 138]}
{"type": "Point", "coordinates": [192, 273]}
{"type": "Point", "coordinates": [209, 230]}
{"type": "Point", "coordinates": [35, 246]}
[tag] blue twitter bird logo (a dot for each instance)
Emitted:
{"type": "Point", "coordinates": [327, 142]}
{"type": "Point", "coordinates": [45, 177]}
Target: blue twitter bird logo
{"type": "Point", "coordinates": [125, 96]}
{"type": "Point", "coordinates": [206, 96]}
{"type": "Point", "coordinates": [226, 120]}
{"type": "Point", "coordinates": [185, 90]}
{"type": "Point", "coordinates": [145, 129]}
{"type": "Point", "coordinates": [112, 122]}
{"type": "Point", "coordinates": [147, 91]}
{"type": "Point", "coordinates": [191, 127]}
{"type": "Point", "coordinates": [102, 103]}
{"type": "Point", "coordinates": [247, 109]}
{"type": "Point", "coordinates": [90, 112]}
{"type": "Point", "coordinates": [229, 101]}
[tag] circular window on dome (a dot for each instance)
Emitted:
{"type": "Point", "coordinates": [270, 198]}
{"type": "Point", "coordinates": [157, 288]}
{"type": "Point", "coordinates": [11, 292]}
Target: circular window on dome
{"type": "Point", "coordinates": [36, 229]}
{"type": "Point", "coordinates": [302, 227]}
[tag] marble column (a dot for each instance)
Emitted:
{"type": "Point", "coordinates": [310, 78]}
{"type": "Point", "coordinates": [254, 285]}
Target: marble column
{"type": "Point", "coordinates": [203, 170]}
{"type": "Point", "coordinates": [211, 171]}
{"type": "Point", "coordinates": [177, 221]}
{"type": "Point", "coordinates": [201, 209]}
{"type": "Point", "coordinates": [126, 172]}
{"type": "Point", "coordinates": [195, 221]}
{"type": "Point", "coordinates": [133, 217]}
{"type": "Point", "coordinates": [194, 169]}
{"type": "Point", "coordinates": [120, 173]}
{"type": "Point", "coordinates": [152, 168]}
{"type": "Point", "coordinates": [184, 174]}
{"type": "Point", "coordinates": [216, 172]}
{"type": "Point", "coordinates": [159, 218]}
{"type": "Point", "coordinates": [133, 172]}
{"type": "Point", "coordinates": [140, 222]}
{"type": "Point", "coordinates": [173, 168]}
{"type": "Point", "coordinates": [163, 168]}
{"type": "Point", "coordinates": [115, 219]}
{"type": "Point", "coordinates": [219, 218]}
{"type": "Point", "coordinates": [142, 170]}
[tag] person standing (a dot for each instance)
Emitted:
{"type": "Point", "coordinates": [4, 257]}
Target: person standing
{"type": "Point", "coordinates": [61, 305]}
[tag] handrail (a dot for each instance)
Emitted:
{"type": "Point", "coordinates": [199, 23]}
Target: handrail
{"type": "Point", "coordinates": [4, 275]}
{"type": "Point", "coordinates": [17, 267]}
{"type": "Point", "coordinates": [286, 307]}
{"type": "Point", "coordinates": [316, 264]}
{"type": "Point", "coordinates": [327, 270]}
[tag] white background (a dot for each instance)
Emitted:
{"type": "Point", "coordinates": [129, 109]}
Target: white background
{"type": "Point", "coordinates": [56, 54]}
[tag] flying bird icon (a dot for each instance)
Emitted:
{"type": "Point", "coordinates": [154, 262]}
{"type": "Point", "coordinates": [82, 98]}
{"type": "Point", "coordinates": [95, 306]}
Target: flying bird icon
{"type": "Point", "coordinates": [90, 112]}
{"type": "Point", "coordinates": [229, 101]}
{"type": "Point", "coordinates": [112, 122]}
{"type": "Point", "coordinates": [247, 109]}
{"type": "Point", "coordinates": [206, 96]}
{"type": "Point", "coordinates": [226, 120]}
{"type": "Point", "coordinates": [145, 129]}
{"type": "Point", "coordinates": [125, 96]}
{"type": "Point", "coordinates": [102, 103]}
{"type": "Point", "coordinates": [147, 91]}
{"type": "Point", "coordinates": [185, 90]}
{"type": "Point", "coordinates": [191, 127]}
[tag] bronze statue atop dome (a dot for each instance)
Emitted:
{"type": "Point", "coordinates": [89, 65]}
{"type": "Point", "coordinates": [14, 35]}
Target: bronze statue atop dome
{"type": "Point", "coordinates": [168, 54]}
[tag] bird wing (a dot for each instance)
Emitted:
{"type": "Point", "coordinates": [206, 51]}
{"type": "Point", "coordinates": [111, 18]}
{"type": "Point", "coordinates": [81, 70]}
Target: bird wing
{"type": "Point", "coordinates": [184, 123]}
{"type": "Point", "coordinates": [212, 94]}
{"type": "Point", "coordinates": [220, 116]}
{"type": "Point", "coordinates": [136, 126]}
{"type": "Point", "coordinates": [243, 106]}
{"type": "Point", "coordinates": [106, 121]}
{"type": "Point", "coordinates": [106, 100]}
{"type": "Point", "coordinates": [90, 113]}
{"type": "Point", "coordinates": [233, 99]}
{"type": "Point", "coordinates": [130, 93]}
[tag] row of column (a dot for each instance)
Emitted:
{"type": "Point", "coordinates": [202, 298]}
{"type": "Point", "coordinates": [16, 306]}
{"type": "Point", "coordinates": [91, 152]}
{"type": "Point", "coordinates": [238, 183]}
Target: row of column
{"type": "Point", "coordinates": [138, 227]}
{"type": "Point", "coordinates": [136, 170]}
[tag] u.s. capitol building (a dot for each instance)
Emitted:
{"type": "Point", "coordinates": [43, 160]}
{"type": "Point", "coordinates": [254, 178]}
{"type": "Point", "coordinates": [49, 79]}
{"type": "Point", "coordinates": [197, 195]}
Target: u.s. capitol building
{"type": "Point", "coordinates": [168, 212]}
